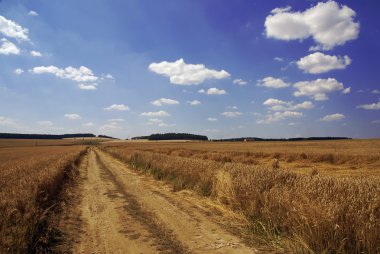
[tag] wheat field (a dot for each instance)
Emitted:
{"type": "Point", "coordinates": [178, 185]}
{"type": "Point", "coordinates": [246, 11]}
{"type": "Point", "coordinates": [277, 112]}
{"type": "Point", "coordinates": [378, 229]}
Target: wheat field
{"type": "Point", "coordinates": [306, 197]}
{"type": "Point", "coordinates": [31, 181]}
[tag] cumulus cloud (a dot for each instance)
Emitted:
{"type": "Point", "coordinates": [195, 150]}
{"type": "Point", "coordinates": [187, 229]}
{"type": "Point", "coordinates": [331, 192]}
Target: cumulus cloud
{"type": "Point", "coordinates": [164, 101]}
{"type": "Point", "coordinates": [81, 74]}
{"type": "Point", "coordinates": [272, 82]}
{"type": "Point", "coordinates": [317, 63]}
{"type": "Point", "coordinates": [8, 48]}
{"type": "Point", "coordinates": [212, 119]}
{"type": "Point", "coordinates": [240, 82]}
{"type": "Point", "coordinates": [328, 23]}
{"type": "Point", "coordinates": [333, 117]}
{"type": "Point", "coordinates": [373, 106]}
{"type": "Point", "coordinates": [278, 59]}
{"type": "Point", "coordinates": [213, 91]}
{"type": "Point", "coordinates": [181, 73]}
{"type": "Point", "coordinates": [194, 102]}
{"type": "Point", "coordinates": [317, 89]}
{"type": "Point", "coordinates": [87, 86]}
{"type": "Point", "coordinates": [18, 71]}
{"type": "Point", "coordinates": [279, 105]}
{"type": "Point", "coordinates": [160, 113]}
{"type": "Point", "coordinates": [231, 114]}
{"type": "Point", "coordinates": [375, 91]}
{"type": "Point", "coordinates": [118, 107]}
{"type": "Point", "coordinates": [35, 53]}
{"type": "Point", "coordinates": [73, 116]}
{"type": "Point", "coordinates": [11, 29]}
{"type": "Point", "coordinates": [32, 13]}
{"type": "Point", "coordinates": [346, 90]}
{"type": "Point", "coordinates": [278, 116]}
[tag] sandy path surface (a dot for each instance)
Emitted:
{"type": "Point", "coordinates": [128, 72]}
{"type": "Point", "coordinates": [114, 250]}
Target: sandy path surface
{"type": "Point", "coordinates": [123, 211]}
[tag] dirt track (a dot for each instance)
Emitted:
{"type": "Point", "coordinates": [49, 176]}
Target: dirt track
{"type": "Point", "coordinates": [123, 211]}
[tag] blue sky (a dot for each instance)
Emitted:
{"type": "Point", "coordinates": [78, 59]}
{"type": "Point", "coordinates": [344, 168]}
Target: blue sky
{"type": "Point", "coordinates": [219, 68]}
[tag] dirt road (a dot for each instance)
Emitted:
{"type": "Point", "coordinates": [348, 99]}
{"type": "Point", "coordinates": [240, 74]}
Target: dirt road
{"type": "Point", "coordinates": [123, 211]}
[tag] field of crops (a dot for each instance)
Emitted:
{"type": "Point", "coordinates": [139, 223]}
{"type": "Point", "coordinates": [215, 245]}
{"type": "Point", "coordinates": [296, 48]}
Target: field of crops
{"type": "Point", "coordinates": [311, 197]}
{"type": "Point", "coordinates": [31, 180]}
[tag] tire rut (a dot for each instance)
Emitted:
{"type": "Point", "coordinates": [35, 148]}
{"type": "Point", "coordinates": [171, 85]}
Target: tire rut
{"type": "Point", "coordinates": [163, 237]}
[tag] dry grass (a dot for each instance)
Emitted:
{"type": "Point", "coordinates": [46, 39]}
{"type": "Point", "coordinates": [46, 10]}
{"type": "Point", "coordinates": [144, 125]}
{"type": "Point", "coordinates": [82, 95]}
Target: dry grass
{"type": "Point", "coordinates": [31, 181]}
{"type": "Point", "coordinates": [306, 213]}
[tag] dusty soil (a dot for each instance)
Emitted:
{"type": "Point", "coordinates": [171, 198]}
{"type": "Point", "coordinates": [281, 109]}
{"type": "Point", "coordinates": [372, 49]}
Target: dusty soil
{"type": "Point", "coordinates": [123, 211]}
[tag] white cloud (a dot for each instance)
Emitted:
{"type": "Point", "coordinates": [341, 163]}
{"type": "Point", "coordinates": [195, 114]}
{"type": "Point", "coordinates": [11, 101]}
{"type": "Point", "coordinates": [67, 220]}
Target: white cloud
{"type": "Point", "coordinates": [18, 71]}
{"type": "Point", "coordinates": [107, 76]}
{"type": "Point", "coordinates": [89, 124]}
{"type": "Point", "coordinates": [212, 119]}
{"type": "Point", "coordinates": [240, 82]}
{"type": "Point", "coordinates": [375, 91]}
{"type": "Point", "coordinates": [373, 106]}
{"type": "Point", "coordinates": [278, 59]}
{"type": "Point", "coordinates": [317, 89]}
{"type": "Point", "coordinates": [328, 23]}
{"type": "Point", "coordinates": [291, 124]}
{"type": "Point", "coordinates": [317, 63]}
{"type": "Point", "coordinates": [213, 91]}
{"type": "Point", "coordinates": [111, 126]}
{"type": "Point", "coordinates": [32, 13]}
{"type": "Point", "coordinates": [231, 114]}
{"type": "Point", "coordinates": [279, 105]}
{"type": "Point", "coordinates": [35, 53]}
{"type": "Point", "coordinates": [375, 121]}
{"type": "Point", "coordinates": [181, 73]}
{"type": "Point", "coordinates": [281, 10]}
{"type": "Point", "coordinates": [346, 90]}
{"type": "Point", "coordinates": [333, 117]}
{"type": "Point", "coordinates": [272, 82]}
{"type": "Point", "coordinates": [194, 102]}
{"type": "Point", "coordinates": [278, 116]}
{"type": "Point", "coordinates": [5, 121]}
{"type": "Point", "coordinates": [73, 116]}
{"type": "Point", "coordinates": [155, 120]}
{"type": "Point", "coordinates": [119, 120]}
{"type": "Point", "coordinates": [45, 123]}
{"type": "Point", "coordinates": [8, 48]}
{"type": "Point", "coordinates": [159, 122]}
{"type": "Point", "coordinates": [81, 74]}
{"type": "Point", "coordinates": [12, 29]}
{"type": "Point", "coordinates": [119, 107]}
{"type": "Point", "coordinates": [164, 101]}
{"type": "Point", "coordinates": [303, 105]}
{"type": "Point", "coordinates": [156, 114]}
{"type": "Point", "coordinates": [87, 86]}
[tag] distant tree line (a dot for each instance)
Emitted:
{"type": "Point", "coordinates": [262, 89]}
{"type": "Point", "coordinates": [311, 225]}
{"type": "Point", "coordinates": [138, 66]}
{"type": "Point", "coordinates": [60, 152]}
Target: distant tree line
{"type": "Point", "coordinates": [279, 139]}
{"type": "Point", "coordinates": [105, 136]}
{"type": "Point", "coordinates": [173, 136]}
{"type": "Point", "coordinates": [45, 136]}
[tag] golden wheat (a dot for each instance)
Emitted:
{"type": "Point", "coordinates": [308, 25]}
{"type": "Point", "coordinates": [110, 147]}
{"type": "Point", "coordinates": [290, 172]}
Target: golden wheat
{"type": "Point", "coordinates": [30, 181]}
{"type": "Point", "coordinates": [318, 213]}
